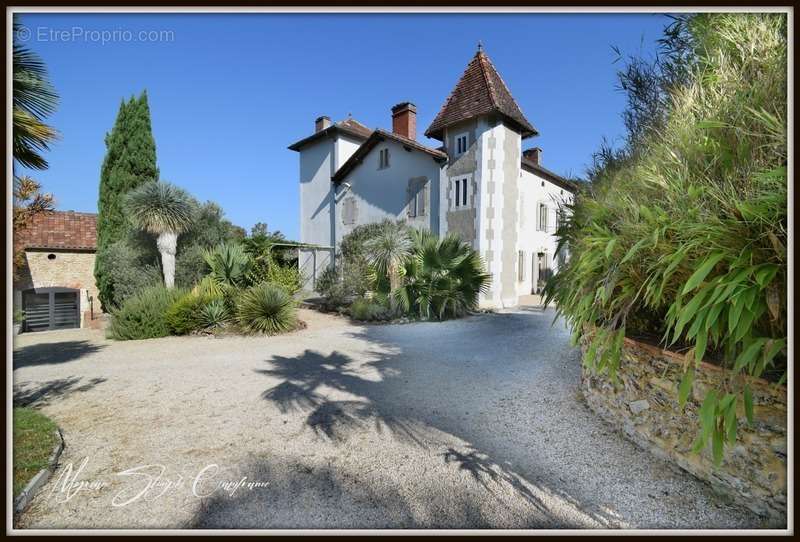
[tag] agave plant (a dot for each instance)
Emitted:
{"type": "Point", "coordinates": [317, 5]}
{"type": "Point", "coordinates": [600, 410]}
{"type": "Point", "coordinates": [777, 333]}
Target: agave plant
{"type": "Point", "coordinates": [166, 211]}
{"type": "Point", "coordinates": [266, 308]}
{"type": "Point", "coordinates": [214, 315]}
{"type": "Point", "coordinates": [443, 277]}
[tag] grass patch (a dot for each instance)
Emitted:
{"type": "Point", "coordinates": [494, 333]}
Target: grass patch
{"type": "Point", "coordinates": [34, 439]}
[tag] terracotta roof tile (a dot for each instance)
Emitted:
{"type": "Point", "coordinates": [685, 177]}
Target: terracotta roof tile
{"type": "Point", "coordinates": [376, 137]}
{"type": "Point", "coordinates": [480, 91]}
{"type": "Point", "coordinates": [60, 230]}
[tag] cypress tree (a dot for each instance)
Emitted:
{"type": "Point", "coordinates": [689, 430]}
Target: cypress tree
{"type": "Point", "coordinates": [130, 161]}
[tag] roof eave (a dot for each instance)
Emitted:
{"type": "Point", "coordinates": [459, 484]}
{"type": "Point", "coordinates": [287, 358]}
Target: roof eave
{"type": "Point", "coordinates": [548, 175]}
{"type": "Point", "coordinates": [329, 131]}
{"type": "Point", "coordinates": [365, 148]}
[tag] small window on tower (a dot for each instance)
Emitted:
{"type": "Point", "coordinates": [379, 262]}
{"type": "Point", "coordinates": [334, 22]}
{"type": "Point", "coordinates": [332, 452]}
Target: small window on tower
{"type": "Point", "coordinates": [461, 144]}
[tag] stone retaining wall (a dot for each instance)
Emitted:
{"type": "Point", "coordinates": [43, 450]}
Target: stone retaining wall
{"type": "Point", "coordinates": [645, 407]}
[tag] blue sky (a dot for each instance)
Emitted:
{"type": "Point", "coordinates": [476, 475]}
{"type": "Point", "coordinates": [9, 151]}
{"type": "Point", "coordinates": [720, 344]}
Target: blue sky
{"type": "Point", "coordinates": [229, 92]}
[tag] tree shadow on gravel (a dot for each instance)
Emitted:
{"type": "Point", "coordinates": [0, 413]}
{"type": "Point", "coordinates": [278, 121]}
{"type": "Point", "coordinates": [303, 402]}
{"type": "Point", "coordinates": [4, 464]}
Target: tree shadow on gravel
{"type": "Point", "coordinates": [27, 394]}
{"type": "Point", "coordinates": [504, 385]}
{"type": "Point", "coordinates": [53, 353]}
{"type": "Point", "coordinates": [305, 375]}
{"type": "Point", "coordinates": [385, 405]}
{"type": "Point", "coordinates": [300, 495]}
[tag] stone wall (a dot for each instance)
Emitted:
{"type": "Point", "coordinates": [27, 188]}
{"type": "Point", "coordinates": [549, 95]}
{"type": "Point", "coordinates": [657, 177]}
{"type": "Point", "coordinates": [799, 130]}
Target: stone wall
{"type": "Point", "coordinates": [68, 269]}
{"type": "Point", "coordinates": [644, 405]}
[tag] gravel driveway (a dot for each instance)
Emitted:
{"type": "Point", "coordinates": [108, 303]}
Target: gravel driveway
{"type": "Point", "coordinates": [467, 424]}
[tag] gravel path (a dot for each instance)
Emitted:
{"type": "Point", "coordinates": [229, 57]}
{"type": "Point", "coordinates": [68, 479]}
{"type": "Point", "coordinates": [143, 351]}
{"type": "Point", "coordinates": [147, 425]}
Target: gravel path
{"type": "Point", "coordinates": [465, 424]}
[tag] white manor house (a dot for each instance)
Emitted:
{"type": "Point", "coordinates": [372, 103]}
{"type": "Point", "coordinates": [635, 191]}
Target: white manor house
{"type": "Point", "coordinates": [479, 183]}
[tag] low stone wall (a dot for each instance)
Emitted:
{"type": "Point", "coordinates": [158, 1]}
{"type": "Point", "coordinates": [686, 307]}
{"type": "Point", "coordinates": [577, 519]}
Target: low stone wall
{"type": "Point", "coordinates": [644, 405]}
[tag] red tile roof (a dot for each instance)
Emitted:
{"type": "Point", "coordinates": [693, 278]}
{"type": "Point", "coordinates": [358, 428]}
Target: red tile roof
{"type": "Point", "coordinates": [376, 137]}
{"type": "Point", "coordinates": [480, 91]}
{"type": "Point", "coordinates": [60, 230]}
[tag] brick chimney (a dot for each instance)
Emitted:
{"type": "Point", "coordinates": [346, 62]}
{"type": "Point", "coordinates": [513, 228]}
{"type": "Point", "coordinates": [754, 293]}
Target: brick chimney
{"type": "Point", "coordinates": [534, 155]}
{"type": "Point", "coordinates": [404, 120]}
{"type": "Point", "coordinates": [321, 123]}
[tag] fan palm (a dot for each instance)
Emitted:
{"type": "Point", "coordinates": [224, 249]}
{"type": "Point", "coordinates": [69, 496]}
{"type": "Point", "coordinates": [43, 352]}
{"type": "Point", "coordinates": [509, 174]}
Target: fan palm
{"type": "Point", "coordinates": [166, 211]}
{"type": "Point", "coordinates": [443, 277]}
{"type": "Point", "coordinates": [34, 99]}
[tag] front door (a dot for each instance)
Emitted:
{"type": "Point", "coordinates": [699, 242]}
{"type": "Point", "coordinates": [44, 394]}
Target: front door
{"type": "Point", "coordinates": [51, 308]}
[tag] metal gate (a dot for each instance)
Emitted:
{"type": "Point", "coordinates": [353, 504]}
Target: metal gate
{"type": "Point", "coordinates": [51, 308]}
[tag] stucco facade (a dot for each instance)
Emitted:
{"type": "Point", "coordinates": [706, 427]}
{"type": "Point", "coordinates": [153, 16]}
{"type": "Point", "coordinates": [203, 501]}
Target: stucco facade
{"type": "Point", "coordinates": [479, 184]}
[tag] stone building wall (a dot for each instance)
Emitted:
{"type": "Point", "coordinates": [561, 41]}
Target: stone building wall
{"type": "Point", "coordinates": [69, 269]}
{"type": "Point", "coordinates": [645, 407]}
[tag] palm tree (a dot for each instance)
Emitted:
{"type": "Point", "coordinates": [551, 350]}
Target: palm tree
{"type": "Point", "coordinates": [34, 100]}
{"type": "Point", "coordinates": [387, 252]}
{"type": "Point", "coordinates": [444, 277]}
{"type": "Point", "coordinates": [164, 210]}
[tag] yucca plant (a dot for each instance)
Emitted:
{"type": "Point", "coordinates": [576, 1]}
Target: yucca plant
{"type": "Point", "coordinates": [228, 264]}
{"type": "Point", "coordinates": [266, 308]}
{"type": "Point", "coordinates": [387, 251]}
{"type": "Point", "coordinates": [687, 237]}
{"type": "Point", "coordinates": [443, 277]}
{"type": "Point", "coordinates": [166, 211]}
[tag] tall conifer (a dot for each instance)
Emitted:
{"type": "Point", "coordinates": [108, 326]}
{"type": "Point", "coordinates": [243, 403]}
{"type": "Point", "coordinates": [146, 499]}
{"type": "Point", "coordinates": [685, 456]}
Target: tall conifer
{"type": "Point", "coordinates": [130, 161]}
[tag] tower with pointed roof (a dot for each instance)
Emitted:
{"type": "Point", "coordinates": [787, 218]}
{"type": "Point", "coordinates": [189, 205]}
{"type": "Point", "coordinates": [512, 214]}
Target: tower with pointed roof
{"type": "Point", "coordinates": [482, 128]}
{"type": "Point", "coordinates": [479, 184]}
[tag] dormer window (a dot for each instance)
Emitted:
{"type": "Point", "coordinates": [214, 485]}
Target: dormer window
{"type": "Point", "coordinates": [461, 144]}
{"type": "Point", "coordinates": [384, 159]}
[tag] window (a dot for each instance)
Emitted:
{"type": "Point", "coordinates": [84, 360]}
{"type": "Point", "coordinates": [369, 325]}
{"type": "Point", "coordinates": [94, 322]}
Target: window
{"type": "Point", "coordinates": [460, 192]}
{"type": "Point", "coordinates": [542, 217]}
{"type": "Point", "coordinates": [418, 192]}
{"type": "Point", "coordinates": [461, 144]}
{"type": "Point", "coordinates": [521, 265]}
{"type": "Point", "coordinates": [384, 159]}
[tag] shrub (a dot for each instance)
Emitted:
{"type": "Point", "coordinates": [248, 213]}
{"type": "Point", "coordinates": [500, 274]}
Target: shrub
{"type": "Point", "coordinates": [190, 266]}
{"type": "Point", "coordinates": [443, 277]}
{"type": "Point", "coordinates": [271, 263]}
{"type": "Point", "coordinates": [185, 315]}
{"type": "Point", "coordinates": [287, 277]}
{"type": "Point", "coordinates": [352, 276]}
{"type": "Point", "coordinates": [143, 315]}
{"type": "Point", "coordinates": [128, 271]}
{"type": "Point", "coordinates": [370, 310]}
{"type": "Point", "coordinates": [266, 308]}
{"type": "Point", "coordinates": [687, 236]}
{"type": "Point", "coordinates": [336, 290]}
